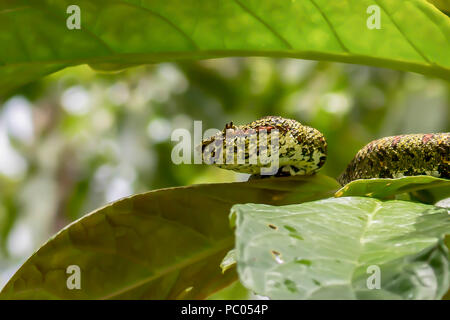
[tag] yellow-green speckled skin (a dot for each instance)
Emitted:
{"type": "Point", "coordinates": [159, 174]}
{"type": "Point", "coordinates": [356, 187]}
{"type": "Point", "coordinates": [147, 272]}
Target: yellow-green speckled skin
{"type": "Point", "coordinates": [302, 149]}
{"type": "Point", "coordinates": [403, 155]}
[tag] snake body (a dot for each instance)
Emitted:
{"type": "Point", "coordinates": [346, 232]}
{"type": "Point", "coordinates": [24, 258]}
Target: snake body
{"type": "Point", "coordinates": [303, 151]}
{"type": "Point", "coordinates": [399, 156]}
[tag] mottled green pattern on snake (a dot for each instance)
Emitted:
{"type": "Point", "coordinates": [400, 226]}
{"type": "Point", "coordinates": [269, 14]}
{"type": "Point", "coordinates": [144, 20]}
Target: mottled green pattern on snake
{"type": "Point", "coordinates": [303, 150]}
{"type": "Point", "coordinates": [404, 155]}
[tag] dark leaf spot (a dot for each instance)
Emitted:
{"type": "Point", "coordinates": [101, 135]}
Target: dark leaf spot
{"type": "Point", "coordinates": [304, 261]}
{"type": "Point", "coordinates": [290, 285]}
{"type": "Point", "coordinates": [297, 236]}
{"type": "Point", "coordinates": [289, 228]}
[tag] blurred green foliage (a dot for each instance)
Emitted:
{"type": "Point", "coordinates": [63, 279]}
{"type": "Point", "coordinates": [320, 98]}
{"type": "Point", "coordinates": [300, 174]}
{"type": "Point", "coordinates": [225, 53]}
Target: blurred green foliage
{"type": "Point", "coordinates": [78, 139]}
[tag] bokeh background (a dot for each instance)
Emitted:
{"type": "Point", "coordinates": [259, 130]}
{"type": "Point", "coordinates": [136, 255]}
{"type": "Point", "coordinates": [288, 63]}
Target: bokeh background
{"type": "Point", "coordinates": [78, 139]}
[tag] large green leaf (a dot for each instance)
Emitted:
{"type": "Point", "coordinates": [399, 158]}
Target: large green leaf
{"type": "Point", "coordinates": [383, 188]}
{"type": "Point", "coordinates": [162, 244]}
{"type": "Point", "coordinates": [323, 249]}
{"type": "Point", "coordinates": [115, 34]}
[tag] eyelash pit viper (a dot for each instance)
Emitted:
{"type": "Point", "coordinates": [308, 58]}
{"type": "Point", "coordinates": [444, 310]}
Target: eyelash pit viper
{"type": "Point", "coordinates": [303, 151]}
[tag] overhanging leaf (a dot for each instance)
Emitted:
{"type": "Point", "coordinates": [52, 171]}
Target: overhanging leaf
{"type": "Point", "coordinates": [323, 249]}
{"type": "Point", "coordinates": [383, 188]}
{"type": "Point", "coordinates": [164, 244]}
{"type": "Point", "coordinates": [114, 34]}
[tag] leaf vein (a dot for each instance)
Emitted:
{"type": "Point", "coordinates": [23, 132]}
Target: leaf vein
{"type": "Point", "coordinates": [330, 25]}
{"type": "Point", "coordinates": [403, 34]}
{"type": "Point", "coordinates": [163, 18]}
{"type": "Point", "coordinates": [265, 24]}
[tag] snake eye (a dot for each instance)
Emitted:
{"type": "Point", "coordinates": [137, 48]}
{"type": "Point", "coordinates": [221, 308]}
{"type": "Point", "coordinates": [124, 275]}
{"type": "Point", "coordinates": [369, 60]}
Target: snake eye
{"type": "Point", "coordinates": [229, 125]}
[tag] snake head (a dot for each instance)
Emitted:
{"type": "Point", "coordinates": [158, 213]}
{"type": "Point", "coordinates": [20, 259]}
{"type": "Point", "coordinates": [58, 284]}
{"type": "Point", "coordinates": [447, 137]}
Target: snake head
{"type": "Point", "coordinates": [301, 149]}
{"type": "Point", "coordinates": [229, 126]}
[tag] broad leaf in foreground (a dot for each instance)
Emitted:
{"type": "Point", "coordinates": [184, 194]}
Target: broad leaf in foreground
{"type": "Point", "coordinates": [332, 248]}
{"type": "Point", "coordinates": [116, 34]}
{"type": "Point", "coordinates": [164, 244]}
{"type": "Point", "coordinates": [383, 188]}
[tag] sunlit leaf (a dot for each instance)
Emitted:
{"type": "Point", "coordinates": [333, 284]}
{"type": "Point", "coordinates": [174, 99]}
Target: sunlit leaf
{"type": "Point", "coordinates": [329, 249]}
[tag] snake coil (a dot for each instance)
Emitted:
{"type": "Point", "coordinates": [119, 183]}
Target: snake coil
{"type": "Point", "coordinates": [303, 150]}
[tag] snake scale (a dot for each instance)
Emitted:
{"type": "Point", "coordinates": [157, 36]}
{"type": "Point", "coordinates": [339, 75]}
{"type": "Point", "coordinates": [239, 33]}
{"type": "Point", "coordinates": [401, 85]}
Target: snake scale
{"type": "Point", "coordinates": [303, 151]}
